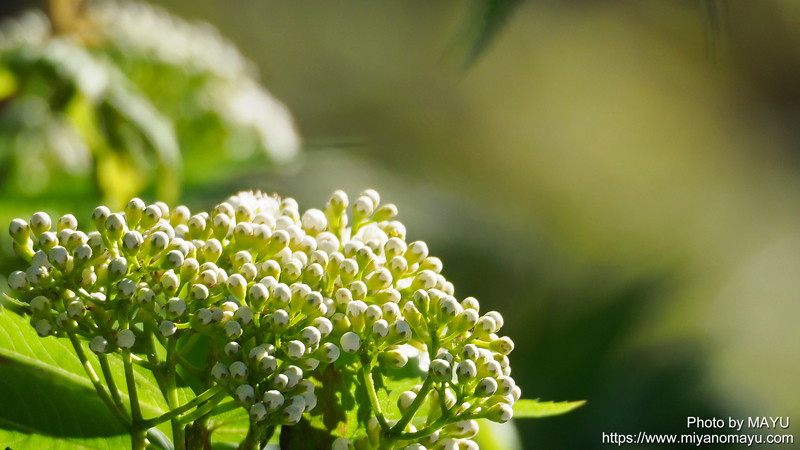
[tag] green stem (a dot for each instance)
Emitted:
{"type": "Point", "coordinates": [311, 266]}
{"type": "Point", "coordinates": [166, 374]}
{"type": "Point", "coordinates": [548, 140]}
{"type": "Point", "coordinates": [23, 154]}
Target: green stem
{"type": "Point", "coordinates": [138, 440]}
{"type": "Point", "coordinates": [183, 408]}
{"type": "Point", "coordinates": [136, 412]}
{"type": "Point", "coordinates": [205, 409]}
{"type": "Point", "coordinates": [98, 385]}
{"type": "Point", "coordinates": [423, 393]}
{"type": "Point", "coordinates": [366, 378]}
{"type": "Point", "coordinates": [178, 438]}
{"type": "Point", "coordinates": [112, 385]}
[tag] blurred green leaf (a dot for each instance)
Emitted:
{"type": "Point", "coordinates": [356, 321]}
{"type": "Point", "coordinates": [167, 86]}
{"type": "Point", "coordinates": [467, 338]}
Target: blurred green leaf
{"type": "Point", "coordinates": [534, 409]}
{"type": "Point", "coordinates": [492, 16]}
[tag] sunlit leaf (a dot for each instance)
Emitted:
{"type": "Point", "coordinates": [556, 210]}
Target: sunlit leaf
{"type": "Point", "coordinates": [534, 409]}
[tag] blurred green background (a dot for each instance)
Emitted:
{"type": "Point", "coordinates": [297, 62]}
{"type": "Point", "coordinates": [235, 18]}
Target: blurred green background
{"type": "Point", "coordinates": [620, 179]}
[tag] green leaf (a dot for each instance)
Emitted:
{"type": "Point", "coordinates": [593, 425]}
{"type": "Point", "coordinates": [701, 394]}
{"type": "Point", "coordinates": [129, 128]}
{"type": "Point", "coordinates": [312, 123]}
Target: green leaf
{"type": "Point", "coordinates": [492, 17]}
{"type": "Point", "coordinates": [534, 409]}
{"type": "Point", "coordinates": [55, 404]}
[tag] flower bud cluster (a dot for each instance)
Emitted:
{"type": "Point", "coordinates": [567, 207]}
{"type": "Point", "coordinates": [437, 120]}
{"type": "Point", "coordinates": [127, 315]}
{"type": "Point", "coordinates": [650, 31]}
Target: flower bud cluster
{"type": "Point", "coordinates": [281, 294]}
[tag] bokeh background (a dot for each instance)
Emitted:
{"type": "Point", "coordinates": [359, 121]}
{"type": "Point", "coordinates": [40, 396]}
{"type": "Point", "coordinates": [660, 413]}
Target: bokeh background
{"type": "Point", "coordinates": [621, 179]}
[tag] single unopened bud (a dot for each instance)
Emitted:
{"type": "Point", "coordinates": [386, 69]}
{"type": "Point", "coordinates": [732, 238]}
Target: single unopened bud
{"type": "Point", "coordinates": [273, 400]}
{"type": "Point", "coordinates": [99, 345]}
{"type": "Point", "coordinates": [43, 327]}
{"type": "Point", "coordinates": [125, 339]}
{"type": "Point", "coordinates": [246, 394]}
{"type": "Point", "coordinates": [58, 257]}
{"type": "Point", "coordinates": [399, 332]}
{"type": "Point", "coordinates": [395, 357]}
{"type": "Point", "coordinates": [169, 282]}
{"type": "Point", "coordinates": [295, 349]}
{"type": "Point", "coordinates": [258, 412]}
{"type": "Point", "coordinates": [327, 352]}
{"type": "Point", "coordinates": [416, 252]}
{"type": "Point", "coordinates": [380, 329]}
{"type": "Point", "coordinates": [292, 414]}
{"type": "Point", "coordinates": [500, 413]}
{"type": "Point", "coordinates": [167, 328]}
{"type": "Point", "coordinates": [19, 231]}
{"type": "Point", "coordinates": [486, 387]}
{"type": "Point", "coordinates": [362, 209]}
{"type": "Point", "coordinates": [232, 329]}
{"type": "Point", "coordinates": [236, 286]}
{"type": "Point", "coordinates": [40, 223]}
{"type": "Point", "coordinates": [466, 370]}
{"type": "Point", "coordinates": [440, 370]}
{"type": "Point", "coordinates": [502, 345]}
{"type": "Point", "coordinates": [405, 400]}
{"type": "Point", "coordinates": [238, 371]}
{"type": "Point", "coordinates": [381, 279]}
{"type": "Point", "coordinates": [350, 342]}
{"type": "Point", "coordinates": [126, 288]}
{"type": "Point", "coordinates": [220, 372]}
{"type": "Point", "coordinates": [342, 444]}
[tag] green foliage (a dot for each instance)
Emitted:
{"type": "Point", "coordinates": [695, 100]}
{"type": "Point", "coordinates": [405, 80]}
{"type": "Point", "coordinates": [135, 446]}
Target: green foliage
{"type": "Point", "coordinates": [534, 409]}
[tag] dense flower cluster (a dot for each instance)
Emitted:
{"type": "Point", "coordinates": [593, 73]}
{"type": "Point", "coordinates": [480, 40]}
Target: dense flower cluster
{"type": "Point", "coordinates": [281, 295]}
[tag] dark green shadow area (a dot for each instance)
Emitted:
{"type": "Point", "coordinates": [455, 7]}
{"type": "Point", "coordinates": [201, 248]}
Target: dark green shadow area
{"type": "Point", "coordinates": [33, 400]}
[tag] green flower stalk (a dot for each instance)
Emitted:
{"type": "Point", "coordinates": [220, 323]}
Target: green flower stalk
{"type": "Point", "coordinates": [290, 308]}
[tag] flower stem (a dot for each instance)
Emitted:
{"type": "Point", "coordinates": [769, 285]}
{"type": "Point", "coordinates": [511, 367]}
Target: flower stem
{"type": "Point", "coordinates": [178, 438]}
{"type": "Point", "coordinates": [98, 385]}
{"type": "Point", "coordinates": [112, 385]}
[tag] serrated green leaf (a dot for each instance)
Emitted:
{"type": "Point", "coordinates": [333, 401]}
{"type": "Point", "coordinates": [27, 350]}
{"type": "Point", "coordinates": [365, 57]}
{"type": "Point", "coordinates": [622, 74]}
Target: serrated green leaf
{"type": "Point", "coordinates": [54, 402]}
{"type": "Point", "coordinates": [534, 409]}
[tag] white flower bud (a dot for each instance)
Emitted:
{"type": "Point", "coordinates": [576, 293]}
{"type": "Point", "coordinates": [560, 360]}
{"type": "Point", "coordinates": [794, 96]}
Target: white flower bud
{"type": "Point", "coordinates": [167, 328]}
{"type": "Point", "coordinates": [363, 208]}
{"type": "Point", "coordinates": [292, 414]}
{"type": "Point", "coordinates": [380, 329]}
{"type": "Point", "coordinates": [99, 345]}
{"type": "Point", "coordinates": [350, 342]}
{"type": "Point", "coordinates": [258, 412]}
{"type": "Point", "coordinates": [236, 285]}
{"type": "Point", "coordinates": [466, 429]}
{"type": "Point", "coordinates": [499, 413]}
{"type": "Point", "coordinates": [328, 352]}
{"type": "Point", "coordinates": [232, 329]}
{"type": "Point", "coordinates": [169, 282]}
{"type": "Point", "coordinates": [502, 345]}
{"type": "Point", "coordinates": [17, 281]}
{"type": "Point", "coordinates": [327, 242]}
{"type": "Point", "coordinates": [76, 309]}
{"type": "Point", "coordinates": [232, 350]}
{"type": "Point", "coordinates": [505, 385]}
{"type": "Point", "coordinates": [470, 351]}
{"type": "Point", "coordinates": [314, 221]}
{"type": "Point", "coordinates": [273, 400]}
{"type": "Point", "coordinates": [486, 387]}
{"type": "Point", "coordinates": [58, 256]}
{"type": "Point", "coordinates": [440, 370]}
{"type": "Point", "coordinates": [395, 357]}
{"type": "Point", "coordinates": [125, 339]}
{"type": "Point", "coordinates": [280, 319]}
{"type": "Point", "coordinates": [238, 371]}
{"type": "Point", "coordinates": [380, 279]}
{"type": "Point", "coordinates": [399, 332]}
{"type": "Point", "coordinates": [342, 444]}
{"type": "Point", "coordinates": [498, 319]}
{"type": "Point", "coordinates": [466, 370]}
{"type": "Point", "coordinates": [416, 252]}
{"type": "Point", "coordinates": [176, 307]}
{"type": "Point", "coordinates": [245, 393]}
{"type": "Point", "coordinates": [405, 401]}
{"type": "Point", "coordinates": [36, 274]}
{"type": "Point", "coordinates": [310, 336]}
{"type": "Point", "coordinates": [391, 311]}
{"type": "Point", "coordinates": [43, 327]}
{"type": "Point", "coordinates": [323, 325]}
{"type": "Point", "coordinates": [220, 372]}
{"type": "Point", "coordinates": [40, 223]}
{"type": "Point", "coordinates": [295, 349]}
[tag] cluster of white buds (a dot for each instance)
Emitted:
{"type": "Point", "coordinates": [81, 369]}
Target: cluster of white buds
{"type": "Point", "coordinates": [277, 292]}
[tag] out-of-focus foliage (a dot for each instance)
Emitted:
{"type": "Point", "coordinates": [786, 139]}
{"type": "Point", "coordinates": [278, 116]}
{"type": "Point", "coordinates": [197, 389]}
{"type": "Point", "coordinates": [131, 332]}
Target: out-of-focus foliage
{"type": "Point", "coordinates": [130, 95]}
